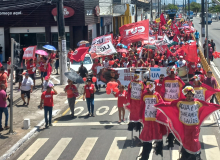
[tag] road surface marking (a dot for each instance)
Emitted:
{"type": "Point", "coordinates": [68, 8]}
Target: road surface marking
{"type": "Point", "coordinates": [211, 120]}
{"type": "Point", "coordinates": [106, 109]}
{"type": "Point", "coordinates": [28, 154]}
{"type": "Point", "coordinates": [114, 110]}
{"type": "Point", "coordinates": [211, 147]}
{"type": "Point", "coordinates": [85, 149]}
{"type": "Point", "coordinates": [101, 99]}
{"type": "Point", "coordinates": [58, 149]}
{"type": "Point", "coordinates": [116, 148]}
{"type": "Point", "coordinates": [80, 110]}
{"type": "Point", "coordinates": [88, 124]}
{"type": "Point", "coordinates": [67, 110]}
{"type": "Point", "coordinates": [175, 154]}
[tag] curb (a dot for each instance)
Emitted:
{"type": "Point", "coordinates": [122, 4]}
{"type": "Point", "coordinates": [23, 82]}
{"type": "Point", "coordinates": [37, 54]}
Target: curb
{"type": "Point", "coordinates": [16, 146]}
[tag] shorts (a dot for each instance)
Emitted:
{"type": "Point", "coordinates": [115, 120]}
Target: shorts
{"type": "Point", "coordinates": [32, 76]}
{"type": "Point", "coordinates": [27, 93]}
{"type": "Point", "coordinates": [20, 78]}
{"type": "Point", "coordinates": [43, 74]}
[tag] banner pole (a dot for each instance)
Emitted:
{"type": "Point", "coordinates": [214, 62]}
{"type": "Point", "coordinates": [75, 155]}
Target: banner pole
{"type": "Point", "coordinates": [170, 153]}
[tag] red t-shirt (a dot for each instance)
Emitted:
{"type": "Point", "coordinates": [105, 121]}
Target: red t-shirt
{"type": "Point", "coordinates": [192, 68]}
{"type": "Point", "coordinates": [3, 79]}
{"type": "Point", "coordinates": [158, 85]}
{"type": "Point", "coordinates": [156, 66]}
{"type": "Point", "coordinates": [94, 68]}
{"type": "Point", "coordinates": [48, 98]}
{"type": "Point", "coordinates": [121, 97]}
{"type": "Point", "coordinates": [30, 66]}
{"type": "Point", "coordinates": [70, 90]}
{"type": "Point", "coordinates": [53, 56]}
{"type": "Point", "coordinates": [89, 90]}
{"type": "Point", "coordinates": [42, 69]}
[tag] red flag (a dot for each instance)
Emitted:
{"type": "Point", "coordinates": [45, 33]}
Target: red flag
{"type": "Point", "coordinates": [79, 54]}
{"type": "Point", "coordinates": [162, 20]}
{"type": "Point", "coordinates": [175, 38]}
{"type": "Point", "coordinates": [184, 120]}
{"type": "Point", "coordinates": [168, 53]}
{"type": "Point", "coordinates": [29, 52]}
{"type": "Point", "coordinates": [134, 32]}
{"type": "Point", "coordinates": [191, 52]}
{"type": "Point", "coordinates": [176, 30]}
{"type": "Point", "coordinates": [49, 69]}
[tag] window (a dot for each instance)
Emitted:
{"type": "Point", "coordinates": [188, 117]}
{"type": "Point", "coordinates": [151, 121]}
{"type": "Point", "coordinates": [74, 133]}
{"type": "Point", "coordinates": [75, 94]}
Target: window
{"type": "Point", "coordinates": [41, 38]}
{"type": "Point", "coordinates": [55, 40]}
{"type": "Point", "coordinates": [16, 37]}
{"type": "Point", "coordinates": [87, 60]}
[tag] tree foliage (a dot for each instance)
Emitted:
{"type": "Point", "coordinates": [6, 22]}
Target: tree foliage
{"type": "Point", "coordinates": [214, 8]}
{"type": "Point", "coordinates": [195, 7]}
{"type": "Point", "coordinates": [171, 6]}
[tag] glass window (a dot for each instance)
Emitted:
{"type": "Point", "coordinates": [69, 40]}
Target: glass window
{"type": "Point", "coordinates": [16, 37]}
{"type": "Point", "coordinates": [87, 60]}
{"type": "Point", "coordinates": [41, 40]}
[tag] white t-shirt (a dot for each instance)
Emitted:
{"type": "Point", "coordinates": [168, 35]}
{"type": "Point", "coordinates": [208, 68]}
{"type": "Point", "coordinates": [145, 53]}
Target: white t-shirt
{"type": "Point", "coordinates": [181, 63]}
{"type": "Point", "coordinates": [105, 64]}
{"type": "Point", "coordinates": [125, 64]}
{"type": "Point", "coordinates": [26, 84]}
{"type": "Point", "coordinates": [45, 84]}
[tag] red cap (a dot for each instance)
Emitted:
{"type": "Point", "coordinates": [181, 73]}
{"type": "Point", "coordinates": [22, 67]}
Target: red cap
{"type": "Point", "coordinates": [47, 77]}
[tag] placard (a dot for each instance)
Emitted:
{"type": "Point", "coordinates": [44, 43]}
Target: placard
{"type": "Point", "coordinates": [171, 90]}
{"type": "Point", "coordinates": [136, 90]}
{"type": "Point", "coordinates": [105, 49]}
{"type": "Point", "coordinates": [150, 110]}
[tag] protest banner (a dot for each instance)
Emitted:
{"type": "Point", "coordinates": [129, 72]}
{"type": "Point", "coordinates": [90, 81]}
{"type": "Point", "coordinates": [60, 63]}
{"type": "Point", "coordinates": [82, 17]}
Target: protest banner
{"type": "Point", "coordinates": [100, 40]}
{"type": "Point", "coordinates": [105, 49]}
{"type": "Point", "coordinates": [29, 52]}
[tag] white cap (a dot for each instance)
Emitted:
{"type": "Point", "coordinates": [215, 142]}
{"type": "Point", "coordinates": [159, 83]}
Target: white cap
{"type": "Point", "coordinates": [198, 65]}
{"type": "Point", "coordinates": [181, 56]}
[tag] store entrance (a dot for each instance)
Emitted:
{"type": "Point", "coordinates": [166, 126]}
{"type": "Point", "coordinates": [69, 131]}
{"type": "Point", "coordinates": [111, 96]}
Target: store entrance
{"type": "Point", "coordinates": [28, 39]}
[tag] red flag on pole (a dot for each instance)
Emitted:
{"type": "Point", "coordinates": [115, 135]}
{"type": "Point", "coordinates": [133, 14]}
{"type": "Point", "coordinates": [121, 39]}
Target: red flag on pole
{"type": "Point", "coordinates": [175, 38]}
{"type": "Point", "coordinates": [191, 52]}
{"type": "Point", "coordinates": [162, 20]}
{"type": "Point", "coordinates": [79, 54]}
{"type": "Point", "coordinates": [168, 53]}
{"type": "Point", "coordinates": [134, 32]}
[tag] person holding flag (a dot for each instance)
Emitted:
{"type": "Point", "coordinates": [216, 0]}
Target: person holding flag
{"type": "Point", "coordinates": [152, 129]}
{"type": "Point", "coordinates": [186, 128]}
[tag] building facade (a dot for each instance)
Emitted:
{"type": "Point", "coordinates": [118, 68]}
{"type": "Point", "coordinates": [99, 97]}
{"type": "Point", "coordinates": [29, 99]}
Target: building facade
{"type": "Point", "coordinates": [36, 24]}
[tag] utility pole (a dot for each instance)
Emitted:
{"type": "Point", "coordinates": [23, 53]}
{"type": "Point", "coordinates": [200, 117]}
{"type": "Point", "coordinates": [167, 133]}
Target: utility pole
{"type": "Point", "coordinates": [61, 42]}
{"type": "Point", "coordinates": [185, 7]}
{"type": "Point", "coordinates": [151, 7]}
{"type": "Point", "coordinates": [203, 22]}
{"type": "Point", "coordinates": [189, 10]}
{"type": "Point", "coordinates": [158, 8]}
{"type": "Point", "coordinates": [207, 35]}
{"type": "Point", "coordinates": [136, 16]}
{"type": "Point", "coordinates": [11, 85]}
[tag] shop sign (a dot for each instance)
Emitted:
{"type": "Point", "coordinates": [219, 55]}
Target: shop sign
{"type": "Point", "coordinates": [10, 13]}
{"type": "Point", "coordinates": [97, 10]}
{"type": "Point", "coordinates": [67, 12]}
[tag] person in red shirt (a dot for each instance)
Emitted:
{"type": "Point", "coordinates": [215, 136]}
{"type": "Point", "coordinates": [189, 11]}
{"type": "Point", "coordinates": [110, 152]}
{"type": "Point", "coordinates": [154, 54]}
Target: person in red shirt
{"type": "Point", "coordinates": [89, 91]}
{"type": "Point", "coordinates": [47, 103]}
{"type": "Point", "coordinates": [160, 63]}
{"type": "Point", "coordinates": [43, 68]}
{"type": "Point", "coordinates": [31, 67]}
{"type": "Point", "coordinates": [203, 72]}
{"type": "Point", "coordinates": [3, 77]}
{"type": "Point", "coordinates": [53, 60]}
{"type": "Point", "coordinates": [121, 94]}
{"type": "Point", "coordinates": [158, 83]}
{"type": "Point", "coordinates": [94, 70]}
{"type": "Point", "coordinates": [72, 93]}
{"type": "Point", "coordinates": [152, 64]}
{"type": "Point", "coordinates": [192, 69]}
{"type": "Point", "coordinates": [70, 53]}
{"type": "Point", "coordinates": [9, 66]}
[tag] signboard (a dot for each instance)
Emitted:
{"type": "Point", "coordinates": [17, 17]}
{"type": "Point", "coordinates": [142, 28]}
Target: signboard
{"type": "Point", "coordinates": [10, 13]}
{"type": "Point", "coordinates": [105, 49]}
{"type": "Point", "coordinates": [29, 52]}
{"type": "Point", "coordinates": [100, 40]}
{"type": "Point", "coordinates": [67, 12]}
{"type": "Point", "coordinates": [156, 72]}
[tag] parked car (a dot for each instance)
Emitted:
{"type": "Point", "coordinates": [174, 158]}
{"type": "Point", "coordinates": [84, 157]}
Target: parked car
{"type": "Point", "coordinates": [214, 16]}
{"type": "Point", "coordinates": [87, 62]}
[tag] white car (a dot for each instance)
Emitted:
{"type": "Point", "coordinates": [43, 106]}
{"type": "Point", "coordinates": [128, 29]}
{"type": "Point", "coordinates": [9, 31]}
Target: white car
{"type": "Point", "coordinates": [88, 62]}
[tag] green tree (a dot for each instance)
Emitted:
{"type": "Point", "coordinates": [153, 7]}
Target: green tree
{"type": "Point", "coordinates": [195, 7]}
{"type": "Point", "coordinates": [214, 8]}
{"type": "Point", "coordinates": [171, 6]}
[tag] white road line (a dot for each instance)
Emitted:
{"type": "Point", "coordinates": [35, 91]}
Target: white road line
{"type": "Point", "coordinates": [55, 79]}
{"type": "Point", "coordinates": [101, 99]}
{"type": "Point", "coordinates": [211, 120]}
{"type": "Point", "coordinates": [150, 156]}
{"type": "Point", "coordinates": [88, 124]}
{"type": "Point", "coordinates": [175, 154]}
{"type": "Point", "coordinates": [58, 149]}
{"type": "Point", "coordinates": [85, 149]}
{"type": "Point", "coordinates": [215, 69]}
{"type": "Point", "coordinates": [211, 147]}
{"type": "Point", "coordinates": [28, 154]}
{"type": "Point", "coordinates": [116, 148]}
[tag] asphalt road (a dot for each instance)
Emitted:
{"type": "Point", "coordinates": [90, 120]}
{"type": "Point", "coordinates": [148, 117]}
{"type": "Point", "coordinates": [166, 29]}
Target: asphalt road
{"type": "Point", "coordinates": [214, 33]}
{"type": "Point", "coordinates": [100, 137]}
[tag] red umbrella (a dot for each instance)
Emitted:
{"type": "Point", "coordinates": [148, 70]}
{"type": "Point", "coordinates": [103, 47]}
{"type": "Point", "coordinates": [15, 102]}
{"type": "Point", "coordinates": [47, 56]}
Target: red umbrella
{"type": "Point", "coordinates": [123, 50]}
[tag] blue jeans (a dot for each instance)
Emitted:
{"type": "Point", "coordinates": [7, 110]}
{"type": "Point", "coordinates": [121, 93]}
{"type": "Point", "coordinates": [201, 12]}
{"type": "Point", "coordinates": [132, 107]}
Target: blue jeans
{"type": "Point", "coordinates": [5, 111]}
{"type": "Point", "coordinates": [1, 58]}
{"type": "Point", "coordinates": [46, 110]}
{"type": "Point", "coordinates": [90, 104]}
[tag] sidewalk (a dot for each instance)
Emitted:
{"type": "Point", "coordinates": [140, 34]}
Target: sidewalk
{"type": "Point", "coordinates": [32, 112]}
